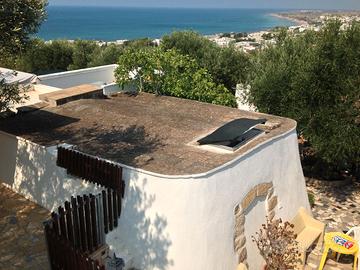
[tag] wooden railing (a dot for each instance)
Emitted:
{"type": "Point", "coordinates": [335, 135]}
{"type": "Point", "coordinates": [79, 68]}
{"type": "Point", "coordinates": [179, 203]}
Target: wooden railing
{"type": "Point", "coordinates": [78, 229]}
{"type": "Point", "coordinates": [90, 168]}
{"type": "Point", "coordinates": [63, 256]}
{"type": "Point", "coordinates": [82, 224]}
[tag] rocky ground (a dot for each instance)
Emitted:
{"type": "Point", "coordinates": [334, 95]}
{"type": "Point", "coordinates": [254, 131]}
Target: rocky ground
{"type": "Point", "coordinates": [336, 206]}
{"type": "Point", "coordinates": [22, 242]}
{"type": "Point", "coordinates": [339, 208]}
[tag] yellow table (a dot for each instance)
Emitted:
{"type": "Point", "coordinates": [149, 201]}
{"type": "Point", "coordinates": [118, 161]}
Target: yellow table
{"type": "Point", "coordinates": [330, 244]}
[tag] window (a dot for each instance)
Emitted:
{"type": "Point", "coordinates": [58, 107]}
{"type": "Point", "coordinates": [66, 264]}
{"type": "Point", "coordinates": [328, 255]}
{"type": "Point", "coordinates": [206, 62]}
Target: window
{"type": "Point", "coordinates": [234, 134]}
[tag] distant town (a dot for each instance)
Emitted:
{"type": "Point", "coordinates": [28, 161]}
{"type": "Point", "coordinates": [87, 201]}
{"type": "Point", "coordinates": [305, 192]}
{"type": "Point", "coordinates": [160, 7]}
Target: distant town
{"type": "Point", "coordinates": [250, 42]}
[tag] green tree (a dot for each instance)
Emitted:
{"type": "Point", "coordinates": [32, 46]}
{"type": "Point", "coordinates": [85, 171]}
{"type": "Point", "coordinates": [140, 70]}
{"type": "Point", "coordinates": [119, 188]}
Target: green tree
{"type": "Point", "coordinates": [226, 65]}
{"type": "Point", "coordinates": [19, 19]}
{"type": "Point", "coordinates": [106, 55]}
{"type": "Point", "coordinates": [170, 73]}
{"type": "Point", "coordinates": [83, 51]}
{"type": "Point", "coordinates": [138, 43]}
{"type": "Point", "coordinates": [43, 58]}
{"type": "Point", "coordinates": [315, 79]}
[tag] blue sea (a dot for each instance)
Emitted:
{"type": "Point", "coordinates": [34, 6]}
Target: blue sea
{"type": "Point", "coordinates": [114, 23]}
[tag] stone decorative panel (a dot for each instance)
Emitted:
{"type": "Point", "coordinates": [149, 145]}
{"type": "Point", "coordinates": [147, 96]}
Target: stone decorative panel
{"type": "Point", "coordinates": [260, 190]}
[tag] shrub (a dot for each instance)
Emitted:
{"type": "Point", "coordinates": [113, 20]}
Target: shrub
{"type": "Point", "coordinates": [42, 58]}
{"type": "Point", "coordinates": [311, 198]}
{"type": "Point", "coordinates": [277, 245]}
{"type": "Point", "coordinates": [170, 73]}
{"type": "Point", "coordinates": [106, 55]}
{"type": "Point", "coordinates": [83, 51]}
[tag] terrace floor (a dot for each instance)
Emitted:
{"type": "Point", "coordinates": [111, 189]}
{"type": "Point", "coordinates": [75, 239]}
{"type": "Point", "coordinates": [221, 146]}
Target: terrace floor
{"type": "Point", "coordinates": [22, 242]}
{"type": "Point", "coordinates": [339, 209]}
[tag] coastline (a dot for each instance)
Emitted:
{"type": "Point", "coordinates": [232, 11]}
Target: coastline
{"type": "Point", "coordinates": [297, 21]}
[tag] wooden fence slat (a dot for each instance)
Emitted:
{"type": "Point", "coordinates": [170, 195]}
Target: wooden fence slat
{"type": "Point", "coordinates": [75, 218]}
{"type": "Point", "coordinates": [88, 223]}
{"type": "Point", "coordinates": [110, 210]}
{"type": "Point", "coordinates": [94, 221]}
{"type": "Point", "coordinates": [55, 218]}
{"type": "Point", "coordinates": [62, 222]}
{"type": "Point", "coordinates": [84, 245]}
{"type": "Point", "coordinates": [69, 222]}
{"type": "Point", "coordinates": [103, 173]}
{"type": "Point", "coordinates": [115, 206]}
{"type": "Point", "coordinates": [105, 208]}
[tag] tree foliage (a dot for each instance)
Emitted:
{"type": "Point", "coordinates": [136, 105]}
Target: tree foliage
{"type": "Point", "coordinates": [83, 51]}
{"type": "Point", "coordinates": [226, 65]}
{"type": "Point", "coordinates": [105, 55]}
{"type": "Point", "coordinates": [170, 73]}
{"type": "Point", "coordinates": [9, 93]}
{"type": "Point", "coordinates": [315, 79]}
{"type": "Point", "coordinates": [19, 19]}
{"type": "Point", "coordinates": [42, 58]}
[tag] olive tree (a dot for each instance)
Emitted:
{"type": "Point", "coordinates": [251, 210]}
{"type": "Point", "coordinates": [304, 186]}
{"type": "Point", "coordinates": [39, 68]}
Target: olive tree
{"type": "Point", "coordinates": [315, 79]}
{"type": "Point", "coordinates": [167, 72]}
{"type": "Point", "coordinates": [19, 19]}
{"type": "Point", "coordinates": [226, 65]}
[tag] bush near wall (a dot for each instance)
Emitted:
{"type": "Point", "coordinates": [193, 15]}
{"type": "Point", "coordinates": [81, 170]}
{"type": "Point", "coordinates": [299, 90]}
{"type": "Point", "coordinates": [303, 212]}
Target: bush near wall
{"type": "Point", "coordinates": [315, 79]}
{"type": "Point", "coordinates": [167, 72]}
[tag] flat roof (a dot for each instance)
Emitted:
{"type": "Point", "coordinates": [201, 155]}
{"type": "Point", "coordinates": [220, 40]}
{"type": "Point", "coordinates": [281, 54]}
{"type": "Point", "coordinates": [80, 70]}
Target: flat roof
{"type": "Point", "coordinates": [155, 133]}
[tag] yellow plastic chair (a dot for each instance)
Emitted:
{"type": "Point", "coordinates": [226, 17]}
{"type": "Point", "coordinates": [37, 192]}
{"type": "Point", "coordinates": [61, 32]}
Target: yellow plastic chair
{"type": "Point", "coordinates": [241, 266]}
{"type": "Point", "coordinates": [308, 231]}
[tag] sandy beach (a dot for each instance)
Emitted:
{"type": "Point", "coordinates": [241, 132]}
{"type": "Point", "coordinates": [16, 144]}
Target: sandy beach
{"type": "Point", "coordinates": [297, 21]}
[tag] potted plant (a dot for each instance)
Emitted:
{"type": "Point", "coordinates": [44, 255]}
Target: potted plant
{"type": "Point", "coordinates": [277, 245]}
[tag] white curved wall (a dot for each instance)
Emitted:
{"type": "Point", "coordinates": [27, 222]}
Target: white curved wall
{"type": "Point", "coordinates": [169, 222]}
{"type": "Point", "coordinates": [188, 222]}
{"type": "Point", "coordinates": [104, 74]}
{"type": "Point", "coordinates": [30, 170]}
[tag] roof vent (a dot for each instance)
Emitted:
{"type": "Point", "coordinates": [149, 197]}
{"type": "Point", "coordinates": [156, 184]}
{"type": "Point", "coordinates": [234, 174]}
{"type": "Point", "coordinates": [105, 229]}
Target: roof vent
{"type": "Point", "coordinates": [234, 134]}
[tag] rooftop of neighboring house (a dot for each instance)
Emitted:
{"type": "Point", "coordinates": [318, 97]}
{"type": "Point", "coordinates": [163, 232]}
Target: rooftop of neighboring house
{"type": "Point", "coordinates": [155, 133]}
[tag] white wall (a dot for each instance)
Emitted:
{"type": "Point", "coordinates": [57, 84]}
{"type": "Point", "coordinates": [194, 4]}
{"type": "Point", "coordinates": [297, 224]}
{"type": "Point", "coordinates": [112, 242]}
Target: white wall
{"type": "Point", "coordinates": [104, 74]}
{"type": "Point", "coordinates": [170, 222]}
{"type": "Point", "coordinates": [255, 216]}
{"type": "Point", "coordinates": [30, 169]}
{"type": "Point", "coordinates": [115, 88]}
{"type": "Point", "coordinates": [187, 222]}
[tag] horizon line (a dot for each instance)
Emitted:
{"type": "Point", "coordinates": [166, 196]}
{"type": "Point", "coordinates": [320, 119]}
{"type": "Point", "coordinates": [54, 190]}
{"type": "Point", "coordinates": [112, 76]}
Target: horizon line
{"type": "Point", "coordinates": [197, 7]}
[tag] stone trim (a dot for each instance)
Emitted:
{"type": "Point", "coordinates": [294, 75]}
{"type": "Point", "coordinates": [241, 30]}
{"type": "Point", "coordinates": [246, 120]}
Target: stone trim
{"type": "Point", "coordinates": [260, 190]}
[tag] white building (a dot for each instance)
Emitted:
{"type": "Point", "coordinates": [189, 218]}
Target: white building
{"type": "Point", "coordinates": [186, 205]}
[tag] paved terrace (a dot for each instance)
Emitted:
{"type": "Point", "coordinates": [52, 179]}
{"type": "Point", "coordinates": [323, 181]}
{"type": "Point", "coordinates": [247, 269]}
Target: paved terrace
{"type": "Point", "coordinates": [146, 131]}
{"type": "Point", "coordinates": [22, 241]}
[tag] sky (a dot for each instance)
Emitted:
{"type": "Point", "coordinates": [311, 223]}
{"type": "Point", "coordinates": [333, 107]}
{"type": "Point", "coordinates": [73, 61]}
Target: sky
{"type": "Point", "coordinates": [276, 4]}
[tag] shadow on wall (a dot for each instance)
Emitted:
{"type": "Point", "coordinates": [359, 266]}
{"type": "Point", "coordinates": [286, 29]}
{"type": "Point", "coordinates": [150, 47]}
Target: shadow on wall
{"type": "Point", "coordinates": [31, 171]}
{"type": "Point", "coordinates": [141, 232]}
